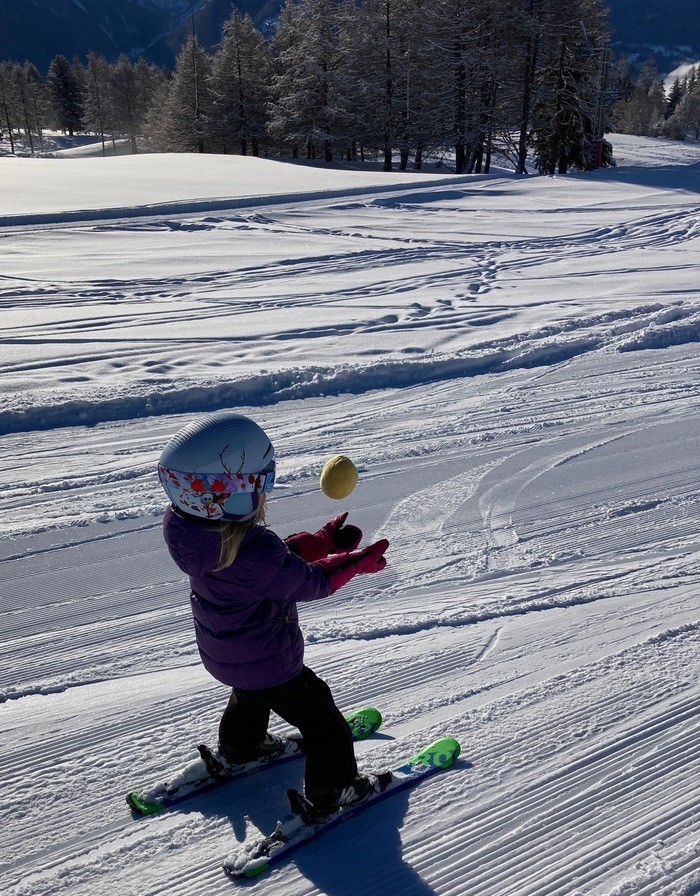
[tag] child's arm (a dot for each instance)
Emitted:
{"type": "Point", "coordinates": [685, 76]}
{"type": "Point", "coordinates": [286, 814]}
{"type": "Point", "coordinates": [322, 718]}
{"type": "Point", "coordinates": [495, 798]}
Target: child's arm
{"type": "Point", "coordinates": [296, 580]}
{"type": "Point", "coordinates": [289, 578]}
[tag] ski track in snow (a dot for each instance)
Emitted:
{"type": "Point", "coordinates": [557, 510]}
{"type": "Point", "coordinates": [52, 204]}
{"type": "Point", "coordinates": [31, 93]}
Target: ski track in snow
{"type": "Point", "coordinates": [171, 338]}
{"type": "Point", "coordinates": [519, 389]}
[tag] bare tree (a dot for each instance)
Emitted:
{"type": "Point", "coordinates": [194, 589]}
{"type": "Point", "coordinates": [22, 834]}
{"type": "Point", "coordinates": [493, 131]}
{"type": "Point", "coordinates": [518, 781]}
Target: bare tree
{"type": "Point", "coordinates": [97, 100]}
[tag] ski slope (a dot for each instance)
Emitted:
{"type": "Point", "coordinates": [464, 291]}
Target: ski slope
{"type": "Point", "coordinates": [513, 364]}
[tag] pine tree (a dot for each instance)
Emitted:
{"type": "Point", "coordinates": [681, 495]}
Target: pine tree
{"type": "Point", "coordinates": [388, 75]}
{"type": "Point", "coordinates": [692, 79]}
{"type": "Point", "coordinates": [151, 84]}
{"type": "Point", "coordinates": [453, 32]}
{"type": "Point", "coordinates": [491, 54]}
{"type": "Point", "coordinates": [23, 99]}
{"type": "Point", "coordinates": [686, 116]}
{"type": "Point", "coordinates": [128, 106]}
{"type": "Point", "coordinates": [241, 75]}
{"type": "Point", "coordinates": [675, 95]}
{"type": "Point", "coordinates": [527, 33]}
{"type": "Point", "coordinates": [492, 70]}
{"type": "Point", "coordinates": [306, 50]}
{"type": "Point", "coordinates": [419, 127]}
{"type": "Point", "coordinates": [349, 103]}
{"type": "Point", "coordinates": [408, 42]}
{"type": "Point", "coordinates": [64, 95]}
{"type": "Point", "coordinates": [569, 87]}
{"type": "Point", "coordinates": [643, 112]}
{"type": "Point", "coordinates": [558, 123]}
{"type": "Point", "coordinates": [181, 116]}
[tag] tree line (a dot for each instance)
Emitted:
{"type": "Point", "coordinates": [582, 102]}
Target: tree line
{"type": "Point", "coordinates": [652, 111]}
{"type": "Point", "coordinates": [397, 79]}
{"type": "Point", "coordinates": [388, 79]}
{"type": "Point", "coordinates": [97, 97]}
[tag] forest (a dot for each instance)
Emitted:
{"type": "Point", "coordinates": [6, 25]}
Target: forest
{"type": "Point", "coordinates": [394, 81]}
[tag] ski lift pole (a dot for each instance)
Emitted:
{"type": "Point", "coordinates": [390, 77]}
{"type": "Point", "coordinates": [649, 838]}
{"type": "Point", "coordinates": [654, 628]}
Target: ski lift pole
{"type": "Point", "coordinates": [603, 54]}
{"type": "Point", "coordinates": [600, 102]}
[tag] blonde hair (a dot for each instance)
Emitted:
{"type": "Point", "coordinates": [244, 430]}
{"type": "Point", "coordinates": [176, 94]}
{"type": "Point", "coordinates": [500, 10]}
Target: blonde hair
{"type": "Point", "coordinates": [232, 535]}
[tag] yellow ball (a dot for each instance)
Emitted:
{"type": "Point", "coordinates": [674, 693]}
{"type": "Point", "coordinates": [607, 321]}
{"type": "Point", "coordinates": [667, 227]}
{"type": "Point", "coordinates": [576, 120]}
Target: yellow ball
{"type": "Point", "coordinates": [339, 477]}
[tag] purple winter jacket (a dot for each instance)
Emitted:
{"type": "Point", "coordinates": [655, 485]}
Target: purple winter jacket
{"type": "Point", "coordinates": [245, 616]}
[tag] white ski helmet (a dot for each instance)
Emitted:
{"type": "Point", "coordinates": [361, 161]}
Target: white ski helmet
{"type": "Point", "coordinates": [218, 466]}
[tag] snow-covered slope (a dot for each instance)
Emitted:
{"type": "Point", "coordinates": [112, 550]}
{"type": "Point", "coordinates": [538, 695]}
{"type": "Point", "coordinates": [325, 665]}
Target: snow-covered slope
{"type": "Point", "coordinates": [512, 363]}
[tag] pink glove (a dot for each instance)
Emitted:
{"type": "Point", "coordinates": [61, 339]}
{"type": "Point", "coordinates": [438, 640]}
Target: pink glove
{"type": "Point", "coordinates": [340, 569]}
{"type": "Point", "coordinates": [333, 538]}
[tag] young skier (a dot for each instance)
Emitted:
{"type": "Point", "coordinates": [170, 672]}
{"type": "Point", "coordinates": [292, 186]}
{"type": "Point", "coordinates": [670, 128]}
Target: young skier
{"type": "Point", "coordinates": [245, 583]}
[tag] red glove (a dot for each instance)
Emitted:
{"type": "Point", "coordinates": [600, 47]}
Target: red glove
{"type": "Point", "coordinates": [339, 570]}
{"type": "Point", "coordinates": [333, 538]}
{"type": "Point", "coordinates": [341, 538]}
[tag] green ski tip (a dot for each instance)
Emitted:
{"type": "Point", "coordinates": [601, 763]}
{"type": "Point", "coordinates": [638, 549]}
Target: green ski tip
{"type": "Point", "coordinates": [441, 754]}
{"type": "Point", "coordinates": [143, 807]}
{"type": "Point", "coordinates": [254, 872]}
{"type": "Point", "coordinates": [364, 722]}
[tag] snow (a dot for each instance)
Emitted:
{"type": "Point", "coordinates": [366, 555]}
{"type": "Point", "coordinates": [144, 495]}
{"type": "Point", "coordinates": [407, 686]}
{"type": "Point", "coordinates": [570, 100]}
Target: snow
{"type": "Point", "coordinates": [512, 363]}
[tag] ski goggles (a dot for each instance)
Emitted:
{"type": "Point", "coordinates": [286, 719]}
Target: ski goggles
{"type": "Point", "coordinates": [176, 481]}
{"type": "Point", "coordinates": [266, 479]}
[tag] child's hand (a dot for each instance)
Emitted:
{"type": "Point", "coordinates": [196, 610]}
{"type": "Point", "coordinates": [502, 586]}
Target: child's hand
{"type": "Point", "coordinates": [334, 538]}
{"type": "Point", "coordinates": [340, 538]}
{"type": "Point", "coordinates": [341, 568]}
{"type": "Point", "coordinates": [371, 559]}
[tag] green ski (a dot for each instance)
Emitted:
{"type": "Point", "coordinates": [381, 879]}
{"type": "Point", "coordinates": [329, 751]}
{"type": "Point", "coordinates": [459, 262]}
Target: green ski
{"type": "Point", "coordinates": [256, 857]}
{"type": "Point", "coordinates": [212, 770]}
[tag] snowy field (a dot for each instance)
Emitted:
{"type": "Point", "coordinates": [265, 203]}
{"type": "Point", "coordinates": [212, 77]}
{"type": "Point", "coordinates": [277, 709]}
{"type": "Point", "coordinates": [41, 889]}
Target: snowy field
{"type": "Point", "coordinates": [514, 365]}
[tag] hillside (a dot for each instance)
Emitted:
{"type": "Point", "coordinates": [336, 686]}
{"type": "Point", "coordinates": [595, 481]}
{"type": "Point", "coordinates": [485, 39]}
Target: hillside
{"type": "Point", "coordinates": [512, 362]}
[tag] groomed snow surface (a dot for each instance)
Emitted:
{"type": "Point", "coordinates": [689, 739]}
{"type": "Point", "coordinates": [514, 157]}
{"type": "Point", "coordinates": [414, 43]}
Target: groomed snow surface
{"type": "Point", "coordinates": [513, 363]}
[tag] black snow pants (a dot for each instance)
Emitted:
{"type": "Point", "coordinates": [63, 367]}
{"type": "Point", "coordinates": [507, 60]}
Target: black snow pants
{"type": "Point", "coordinates": [306, 703]}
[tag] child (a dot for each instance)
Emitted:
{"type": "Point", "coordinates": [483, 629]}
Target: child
{"type": "Point", "coordinates": [245, 584]}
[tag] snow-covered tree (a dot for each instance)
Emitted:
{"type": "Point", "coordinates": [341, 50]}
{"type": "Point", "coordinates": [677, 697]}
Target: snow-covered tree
{"type": "Point", "coordinates": [65, 95]}
{"type": "Point", "coordinates": [674, 96]}
{"type": "Point", "coordinates": [643, 112]}
{"type": "Point", "coordinates": [240, 82]}
{"type": "Point", "coordinates": [561, 124]}
{"type": "Point", "coordinates": [150, 81]}
{"type": "Point", "coordinates": [34, 102]}
{"type": "Point", "coordinates": [131, 95]}
{"type": "Point", "coordinates": [9, 108]}
{"type": "Point", "coordinates": [306, 49]}
{"type": "Point", "coordinates": [21, 103]}
{"type": "Point", "coordinates": [181, 116]}
{"type": "Point", "coordinates": [686, 117]}
{"type": "Point", "coordinates": [97, 99]}
{"type": "Point", "coordinates": [569, 87]}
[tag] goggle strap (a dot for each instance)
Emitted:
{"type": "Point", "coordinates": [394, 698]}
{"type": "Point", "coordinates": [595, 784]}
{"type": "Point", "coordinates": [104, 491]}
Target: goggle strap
{"type": "Point", "coordinates": [233, 483]}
